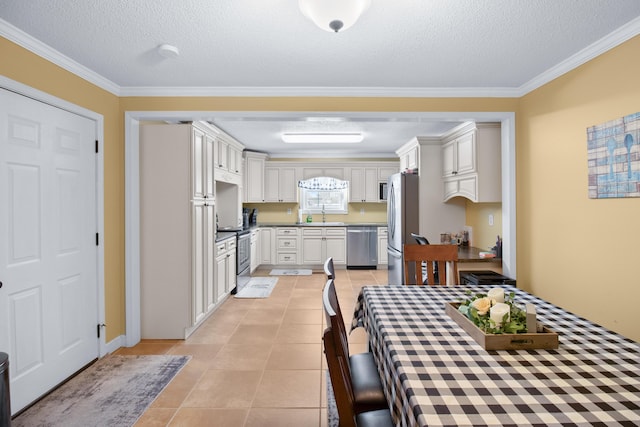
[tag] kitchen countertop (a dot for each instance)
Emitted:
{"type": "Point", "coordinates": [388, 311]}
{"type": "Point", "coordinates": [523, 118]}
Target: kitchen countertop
{"type": "Point", "coordinates": [325, 224]}
{"type": "Point", "coordinates": [224, 235]}
{"type": "Point", "coordinates": [471, 254]}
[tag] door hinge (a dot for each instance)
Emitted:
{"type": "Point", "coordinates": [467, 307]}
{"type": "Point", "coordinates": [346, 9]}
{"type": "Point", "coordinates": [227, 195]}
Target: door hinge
{"type": "Point", "coordinates": [96, 145]}
{"type": "Point", "coordinates": [97, 239]}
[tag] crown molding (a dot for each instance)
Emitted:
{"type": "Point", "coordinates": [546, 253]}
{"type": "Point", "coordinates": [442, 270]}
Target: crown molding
{"type": "Point", "coordinates": [608, 42]}
{"type": "Point", "coordinates": [615, 38]}
{"type": "Point", "coordinates": [34, 45]}
{"type": "Point", "coordinates": [358, 92]}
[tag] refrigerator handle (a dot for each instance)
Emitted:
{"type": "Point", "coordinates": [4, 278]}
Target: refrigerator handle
{"type": "Point", "coordinates": [392, 210]}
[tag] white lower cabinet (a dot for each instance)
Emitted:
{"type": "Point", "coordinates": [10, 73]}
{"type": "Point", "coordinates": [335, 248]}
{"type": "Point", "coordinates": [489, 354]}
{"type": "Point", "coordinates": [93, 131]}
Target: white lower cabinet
{"type": "Point", "coordinates": [225, 267]}
{"type": "Point", "coordinates": [319, 243]}
{"type": "Point", "coordinates": [382, 246]}
{"type": "Point", "coordinates": [287, 244]}
{"type": "Point", "coordinates": [255, 250]}
{"type": "Point", "coordinates": [267, 245]}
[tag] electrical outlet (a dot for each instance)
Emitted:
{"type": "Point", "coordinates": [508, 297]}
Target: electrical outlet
{"type": "Point", "coordinates": [288, 211]}
{"type": "Point", "coordinates": [490, 219]}
{"type": "Point", "coordinates": [362, 211]}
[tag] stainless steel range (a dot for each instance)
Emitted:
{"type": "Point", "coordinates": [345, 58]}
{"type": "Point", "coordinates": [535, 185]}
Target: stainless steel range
{"type": "Point", "coordinates": [243, 259]}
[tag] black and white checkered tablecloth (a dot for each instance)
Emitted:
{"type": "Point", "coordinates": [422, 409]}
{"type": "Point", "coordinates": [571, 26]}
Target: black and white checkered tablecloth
{"type": "Point", "coordinates": [437, 375]}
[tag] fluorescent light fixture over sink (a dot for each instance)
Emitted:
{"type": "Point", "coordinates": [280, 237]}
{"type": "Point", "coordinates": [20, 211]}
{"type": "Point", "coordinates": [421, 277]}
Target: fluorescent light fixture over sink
{"type": "Point", "coordinates": [323, 138]}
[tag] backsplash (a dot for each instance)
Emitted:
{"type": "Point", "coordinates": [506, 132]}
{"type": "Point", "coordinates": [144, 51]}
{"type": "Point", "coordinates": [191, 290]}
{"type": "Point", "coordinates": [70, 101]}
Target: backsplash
{"type": "Point", "coordinates": [278, 213]}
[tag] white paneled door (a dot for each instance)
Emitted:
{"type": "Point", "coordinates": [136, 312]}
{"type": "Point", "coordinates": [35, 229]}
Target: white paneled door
{"type": "Point", "coordinates": [48, 251]}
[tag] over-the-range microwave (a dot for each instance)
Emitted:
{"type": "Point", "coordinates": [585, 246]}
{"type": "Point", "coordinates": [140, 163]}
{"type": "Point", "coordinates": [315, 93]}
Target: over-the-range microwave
{"type": "Point", "coordinates": [382, 192]}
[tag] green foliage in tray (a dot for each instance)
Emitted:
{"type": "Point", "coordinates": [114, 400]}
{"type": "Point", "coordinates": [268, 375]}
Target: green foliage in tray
{"type": "Point", "coordinates": [491, 315]}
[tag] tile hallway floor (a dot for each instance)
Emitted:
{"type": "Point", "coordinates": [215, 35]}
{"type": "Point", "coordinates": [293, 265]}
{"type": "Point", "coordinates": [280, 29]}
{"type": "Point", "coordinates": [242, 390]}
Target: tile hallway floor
{"type": "Point", "coordinates": [257, 362]}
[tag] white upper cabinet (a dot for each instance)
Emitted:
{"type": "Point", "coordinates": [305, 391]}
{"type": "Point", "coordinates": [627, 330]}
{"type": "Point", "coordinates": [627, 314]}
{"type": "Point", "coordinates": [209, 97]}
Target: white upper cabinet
{"type": "Point", "coordinates": [254, 176]}
{"type": "Point", "coordinates": [364, 185]}
{"type": "Point", "coordinates": [471, 165]}
{"type": "Point", "coordinates": [228, 159]}
{"type": "Point", "coordinates": [280, 184]}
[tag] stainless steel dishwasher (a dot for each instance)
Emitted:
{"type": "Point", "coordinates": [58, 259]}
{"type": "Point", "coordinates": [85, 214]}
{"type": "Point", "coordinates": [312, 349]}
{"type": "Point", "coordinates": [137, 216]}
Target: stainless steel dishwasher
{"type": "Point", "coordinates": [362, 247]}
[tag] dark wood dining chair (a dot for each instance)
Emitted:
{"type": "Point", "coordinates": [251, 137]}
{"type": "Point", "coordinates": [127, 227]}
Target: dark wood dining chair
{"type": "Point", "coordinates": [329, 271]}
{"type": "Point", "coordinates": [343, 390]}
{"type": "Point", "coordinates": [417, 256]}
{"type": "Point", "coordinates": [421, 240]}
{"type": "Point", "coordinates": [360, 370]}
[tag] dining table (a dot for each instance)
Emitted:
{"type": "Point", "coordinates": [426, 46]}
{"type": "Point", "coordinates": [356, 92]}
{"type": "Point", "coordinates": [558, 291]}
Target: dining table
{"type": "Point", "coordinates": [435, 374]}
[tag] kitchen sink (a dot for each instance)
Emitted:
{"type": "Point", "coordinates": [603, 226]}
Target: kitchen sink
{"type": "Point", "coordinates": [323, 224]}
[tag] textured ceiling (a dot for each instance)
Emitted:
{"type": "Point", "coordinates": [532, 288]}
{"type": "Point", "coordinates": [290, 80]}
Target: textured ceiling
{"type": "Point", "coordinates": [399, 47]}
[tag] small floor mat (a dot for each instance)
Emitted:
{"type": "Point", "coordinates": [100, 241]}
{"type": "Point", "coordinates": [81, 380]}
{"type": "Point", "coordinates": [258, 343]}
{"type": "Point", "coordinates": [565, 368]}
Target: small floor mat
{"type": "Point", "coordinates": [298, 272]}
{"type": "Point", "coordinates": [258, 287]}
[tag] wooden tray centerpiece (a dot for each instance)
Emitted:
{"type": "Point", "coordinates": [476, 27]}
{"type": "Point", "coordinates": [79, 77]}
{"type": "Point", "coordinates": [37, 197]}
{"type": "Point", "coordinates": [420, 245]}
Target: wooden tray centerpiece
{"type": "Point", "coordinates": [495, 323]}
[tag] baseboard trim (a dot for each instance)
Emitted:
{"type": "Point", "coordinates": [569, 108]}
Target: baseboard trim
{"type": "Point", "coordinates": [115, 344]}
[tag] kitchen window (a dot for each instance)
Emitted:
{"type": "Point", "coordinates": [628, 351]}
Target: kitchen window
{"type": "Point", "coordinates": [324, 195]}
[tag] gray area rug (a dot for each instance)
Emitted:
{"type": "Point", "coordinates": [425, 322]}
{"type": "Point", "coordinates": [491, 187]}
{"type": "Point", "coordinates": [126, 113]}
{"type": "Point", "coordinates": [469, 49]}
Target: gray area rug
{"type": "Point", "coordinates": [333, 420]}
{"type": "Point", "coordinates": [285, 272]}
{"type": "Point", "coordinates": [114, 391]}
{"type": "Point", "coordinates": [258, 287]}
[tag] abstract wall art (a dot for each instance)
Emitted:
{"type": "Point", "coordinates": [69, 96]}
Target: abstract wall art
{"type": "Point", "coordinates": [613, 155]}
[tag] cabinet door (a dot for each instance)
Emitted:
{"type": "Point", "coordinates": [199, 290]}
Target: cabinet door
{"type": "Point", "coordinates": [223, 154]}
{"type": "Point", "coordinates": [231, 271]}
{"type": "Point", "coordinates": [357, 185]}
{"type": "Point", "coordinates": [221, 276]}
{"type": "Point", "coordinates": [382, 250]}
{"type": "Point", "coordinates": [266, 245]}
{"type": "Point", "coordinates": [255, 180]}
{"type": "Point", "coordinates": [198, 304]}
{"type": "Point", "coordinates": [288, 186]}
{"type": "Point", "coordinates": [235, 159]}
{"type": "Point", "coordinates": [336, 247]}
{"type": "Point", "coordinates": [465, 154]}
{"type": "Point", "coordinates": [312, 250]}
{"type": "Point", "coordinates": [210, 246]}
{"type": "Point", "coordinates": [208, 166]}
{"type": "Point", "coordinates": [371, 184]}
{"type": "Point", "coordinates": [255, 244]}
{"type": "Point", "coordinates": [198, 156]}
{"type": "Point", "coordinates": [271, 185]}
{"type": "Point", "coordinates": [449, 159]}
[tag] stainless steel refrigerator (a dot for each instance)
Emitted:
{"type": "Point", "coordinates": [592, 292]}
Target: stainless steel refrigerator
{"type": "Point", "coordinates": [403, 218]}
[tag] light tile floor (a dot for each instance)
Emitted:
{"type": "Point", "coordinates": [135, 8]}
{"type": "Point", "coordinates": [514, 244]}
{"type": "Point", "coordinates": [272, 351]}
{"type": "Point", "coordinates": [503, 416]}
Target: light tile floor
{"type": "Point", "coordinates": [257, 362]}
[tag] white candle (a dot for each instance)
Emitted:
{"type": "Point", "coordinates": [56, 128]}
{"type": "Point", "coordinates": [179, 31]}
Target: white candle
{"type": "Point", "coordinates": [498, 311]}
{"type": "Point", "coordinates": [496, 294]}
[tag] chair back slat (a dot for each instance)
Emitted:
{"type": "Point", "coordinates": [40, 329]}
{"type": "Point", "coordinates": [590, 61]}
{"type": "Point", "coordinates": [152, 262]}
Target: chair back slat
{"type": "Point", "coordinates": [417, 256]}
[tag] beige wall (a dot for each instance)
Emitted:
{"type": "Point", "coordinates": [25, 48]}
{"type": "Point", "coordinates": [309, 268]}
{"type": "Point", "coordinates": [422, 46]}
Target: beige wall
{"type": "Point", "coordinates": [21, 65]}
{"type": "Point", "coordinates": [477, 216]}
{"type": "Point", "coordinates": [578, 252]}
{"type": "Point", "coordinates": [564, 239]}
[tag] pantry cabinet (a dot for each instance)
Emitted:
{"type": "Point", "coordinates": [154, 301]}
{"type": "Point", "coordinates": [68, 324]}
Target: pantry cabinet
{"type": "Point", "coordinates": [178, 233]}
{"type": "Point", "coordinates": [471, 163]}
{"type": "Point", "coordinates": [319, 243]}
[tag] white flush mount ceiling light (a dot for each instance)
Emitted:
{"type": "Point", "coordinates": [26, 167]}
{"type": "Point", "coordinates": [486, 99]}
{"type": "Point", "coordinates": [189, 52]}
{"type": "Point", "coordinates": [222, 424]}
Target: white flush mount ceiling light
{"type": "Point", "coordinates": [168, 51]}
{"type": "Point", "coordinates": [322, 138]}
{"type": "Point", "coordinates": [333, 15]}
